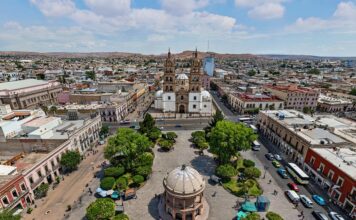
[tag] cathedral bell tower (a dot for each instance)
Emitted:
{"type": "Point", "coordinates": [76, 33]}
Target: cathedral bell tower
{"type": "Point", "coordinates": [169, 74]}
{"type": "Point", "coordinates": [195, 76]}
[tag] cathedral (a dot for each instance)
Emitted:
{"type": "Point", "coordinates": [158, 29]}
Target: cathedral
{"type": "Point", "coordinates": [181, 93]}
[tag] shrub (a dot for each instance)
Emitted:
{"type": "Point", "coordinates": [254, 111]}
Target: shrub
{"type": "Point", "coordinates": [101, 209]}
{"type": "Point", "coordinates": [114, 171]}
{"type": "Point", "coordinates": [166, 145]}
{"type": "Point", "coordinates": [41, 191]}
{"type": "Point", "coordinates": [144, 171]}
{"type": "Point", "coordinates": [107, 183]}
{"type": "Point", "coordinates": [273, 216]}
{"type": "Point", "coordinates": [248, 163]}
{"type": "Point", "coordinates": [138, 179]}
{"type": "Point", "coordinates": [145, 159]}
{"type": "Point", "coordinates": [121, 216]}
{"type": "Point", "coordinates": [225, 171]}
{"type": "Point", "coordinates": [252, 172]}
{"type": "Point", "coordinates": [154, 134]}
{"type": "Point", "coordinates": [252, 216]}
{"type": "Point", "coordinates": [171, 135]}
{"type": "Point", "coordinates": [121, 183]}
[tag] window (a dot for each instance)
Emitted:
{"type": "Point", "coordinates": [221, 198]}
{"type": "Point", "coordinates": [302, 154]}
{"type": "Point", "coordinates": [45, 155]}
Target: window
{"type": "Point", "coordinates": [14, 193]}
{"type": "Point", "coordinates": [46, 168]}
{"type": "Point", "coordinates": [169, 98]}
{"type": "Point", "coordinates": [181, 97]}
{"type": "Point", "coordinates": [204, 106]}
{"type": "Point", "coordinates": [195, 98]}
{"type": "Point", "coordinates": [330, 174]}
{"type": "Point", "coordinates": [194, 106]}
{"type": "Point", "coordinates": [52, 162]}
{"type": "Point", "coordinates": [340, 181]}
{"type": "Point", "coordinates": [312, 160]}
{"type": "Point", "coordinates": [5, 201]}
{"type": "Point", "coordinates": [23, 187]}
{"type": "Point", "coordinates": [31, 180]}
{"type": "Point", "coordinates": [321, 167]}
{"type": "Point", "coordinates": [39, 173]}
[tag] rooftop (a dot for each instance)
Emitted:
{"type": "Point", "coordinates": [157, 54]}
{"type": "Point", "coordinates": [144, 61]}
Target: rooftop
{"type": "Point", "coordinates": [332, 101]}
{"type": "Point", "coordinates": [292, 88]}
{"type": "Point", "coordinates": [21, 84]}
{"type": "Point", "coordinates": [256, 97]}
{"type": "Point", "coordinates": [343, 158]}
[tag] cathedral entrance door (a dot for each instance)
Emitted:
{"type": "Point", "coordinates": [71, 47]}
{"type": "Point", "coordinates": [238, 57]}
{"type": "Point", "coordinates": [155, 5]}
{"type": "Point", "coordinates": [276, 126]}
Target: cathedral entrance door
{"type": "Point", "coordinates": [181, 109]}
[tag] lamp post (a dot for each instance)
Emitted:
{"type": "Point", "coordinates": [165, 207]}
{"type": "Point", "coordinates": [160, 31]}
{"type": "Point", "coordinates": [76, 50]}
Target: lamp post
{"type": "Point", "coordinates": [265, 168]}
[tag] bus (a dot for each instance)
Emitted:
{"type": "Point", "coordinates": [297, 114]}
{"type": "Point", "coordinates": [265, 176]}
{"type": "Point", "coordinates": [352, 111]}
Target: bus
{"type": "Point", "coordinates": [256, 146]}
{"type": "Point", "coordinates": [253, 128]}
{"type": "Point", "coordinates": [298, 174]}
{"type": "Point", "coordinates": [246, 120]}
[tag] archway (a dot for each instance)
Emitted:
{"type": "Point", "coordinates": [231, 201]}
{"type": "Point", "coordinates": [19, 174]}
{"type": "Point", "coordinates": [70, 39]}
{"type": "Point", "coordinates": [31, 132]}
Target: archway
{"type": "Point", "coordinates": [181, 109]}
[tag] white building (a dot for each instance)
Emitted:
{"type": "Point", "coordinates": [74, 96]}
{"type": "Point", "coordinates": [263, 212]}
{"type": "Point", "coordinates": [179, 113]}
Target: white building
{"type": "Point", "coordinates": [183, 94]}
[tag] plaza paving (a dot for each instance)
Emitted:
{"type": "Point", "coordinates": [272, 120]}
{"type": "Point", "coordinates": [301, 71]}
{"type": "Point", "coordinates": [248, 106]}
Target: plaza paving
{"type": "Point", "coordinates": [221, 205]}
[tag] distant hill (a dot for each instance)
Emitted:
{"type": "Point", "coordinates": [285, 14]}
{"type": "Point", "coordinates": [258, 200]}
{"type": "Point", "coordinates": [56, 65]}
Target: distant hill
{"type": "Point", "coordinates": [304, 57]}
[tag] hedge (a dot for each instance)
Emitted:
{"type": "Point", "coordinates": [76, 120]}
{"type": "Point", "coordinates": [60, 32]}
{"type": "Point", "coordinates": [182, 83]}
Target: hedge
{"type": "Point", "coordinates": [273, 216]}
{"type": "Point", "coordinates": [114, 171]}
{"type": "Point", "coordinates": [107, 183]}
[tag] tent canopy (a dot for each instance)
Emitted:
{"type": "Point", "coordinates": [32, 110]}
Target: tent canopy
{"type": "Point", "coordinates": [249, 207]}
{"type": "Point", "coordinates": [240, 215]}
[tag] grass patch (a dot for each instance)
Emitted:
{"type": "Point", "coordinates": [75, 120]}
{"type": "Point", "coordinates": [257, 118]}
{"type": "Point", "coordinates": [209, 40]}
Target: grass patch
{"type": "Point", "coordinates": [239, 188]}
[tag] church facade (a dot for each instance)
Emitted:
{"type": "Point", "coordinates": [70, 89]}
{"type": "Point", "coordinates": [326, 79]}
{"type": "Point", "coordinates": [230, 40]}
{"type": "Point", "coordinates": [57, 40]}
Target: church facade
{"type": "Point", "coordinates": [181, 93]}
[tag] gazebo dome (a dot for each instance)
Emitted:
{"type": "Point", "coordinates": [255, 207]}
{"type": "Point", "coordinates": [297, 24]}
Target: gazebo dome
{"type": "Point", "coordinates": [183, 181]}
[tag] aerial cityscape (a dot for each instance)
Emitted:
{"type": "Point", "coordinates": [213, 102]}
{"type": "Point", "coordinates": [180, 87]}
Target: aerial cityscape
{"type": "Point", "coordinates": [177, 110]}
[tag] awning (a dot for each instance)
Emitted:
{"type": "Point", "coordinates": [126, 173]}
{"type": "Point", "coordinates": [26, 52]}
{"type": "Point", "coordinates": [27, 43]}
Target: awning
{"type": "Point", "coordinates": [99, 190]}
{"type": "Point", "coordinates": [109, 192]}
{"type": "Point", "coordinates": [249, 207]}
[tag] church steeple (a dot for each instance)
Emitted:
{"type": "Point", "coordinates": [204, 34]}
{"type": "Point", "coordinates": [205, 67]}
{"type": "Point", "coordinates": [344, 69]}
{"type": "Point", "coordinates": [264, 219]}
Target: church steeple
{"type": "Point", "coordinates": [169, 73]}
{"type": "Point", "coordinates": [195, 73]}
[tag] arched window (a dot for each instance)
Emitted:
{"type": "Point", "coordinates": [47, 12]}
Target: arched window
{"type": "Point", "coordinates": [181, 97]}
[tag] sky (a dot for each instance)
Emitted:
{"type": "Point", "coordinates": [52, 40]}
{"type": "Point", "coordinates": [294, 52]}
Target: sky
{"type": "Point", "coordinates": [308, 27]}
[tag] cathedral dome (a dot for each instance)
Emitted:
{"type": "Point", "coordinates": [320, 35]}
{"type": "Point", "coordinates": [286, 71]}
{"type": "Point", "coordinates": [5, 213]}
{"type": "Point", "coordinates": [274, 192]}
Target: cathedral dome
{"type": "Point", "coordinates": [159, 94]}
{"type": "Point", "coordinates": [184, 181]}
{"type": "Point", "coordinates": [182, 76]}
{"type": "Point", "coordinates": [205, 94]}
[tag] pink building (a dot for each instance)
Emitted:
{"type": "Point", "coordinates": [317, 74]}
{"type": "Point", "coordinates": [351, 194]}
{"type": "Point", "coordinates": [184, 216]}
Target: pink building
{"type": "Point", "coordinates": [63, 97]}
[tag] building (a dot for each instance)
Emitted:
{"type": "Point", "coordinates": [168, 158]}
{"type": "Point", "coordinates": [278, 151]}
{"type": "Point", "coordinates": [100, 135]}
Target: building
{"type": "Point", "coordinates": [29, 93]}
{"type": "Point", "coordinates": [209, 65]}
{"type": "Point", "coordinates": [183, 197]}
{"type": "Point", "coordinates": [251, 103]}
{"type": "Point", "coordinates": [335, 170]}
{"type": "Point", "coordinates": [183, 94]}
{"type": "Point", "coordinates": [14, 192]}
{"type": "Point", "coordinates": [294, 132]}
{"type": "Point", "coordinates": [331, 104]}
{"type": "Point", "coordinates": [295, 97]}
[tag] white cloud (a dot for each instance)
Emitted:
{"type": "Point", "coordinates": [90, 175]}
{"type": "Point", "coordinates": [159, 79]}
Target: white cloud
{"type": "Point", "coordinates": [110, 8]}
{"type": "Point", "coordinates": [263, 9]}
{"type": "Point", "coordinates": [55, 8]}
{"type": "Point", "coordinates": [343, 19]}
{"type": "Point", "coordinates": [179, 7]}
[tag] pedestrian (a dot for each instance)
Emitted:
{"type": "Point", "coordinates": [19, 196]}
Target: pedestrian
{"type": "Point", "coordinates": [302, 213]}
{"type": "Point", "coordinates": [270, 181]}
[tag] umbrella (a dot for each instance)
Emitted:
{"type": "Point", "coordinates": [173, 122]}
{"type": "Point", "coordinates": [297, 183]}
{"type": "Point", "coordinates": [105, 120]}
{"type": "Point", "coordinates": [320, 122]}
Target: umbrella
{"type": "Point", "coordinates": [99, 190]}
{"type": "Point", "coordinates": [115, 195]}
{"type": "Point", "coordinates": [109, 192]}
{"type": "Point", "coordinates": [102, 193]}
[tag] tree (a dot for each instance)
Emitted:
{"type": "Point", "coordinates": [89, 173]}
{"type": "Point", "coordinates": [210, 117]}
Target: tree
{"type": "Point", "coordinates": [271, 106]}
{"type": "Point", "coordinates": [273, 216]}
{"type": "Point", "coordinates": [252, 172]}
{"type": "Point", "coordinates": [70, 160]}
{"type": "Point", "coordinates": [8, 215]}
{"type": "Point", "coordinates": [154, 134]}
{"type": "Point", "coordinates": [125, 147]}
{"type": "Point", "coordinates": [226, 171]}
{"type": "Point", "coordinates": [144, 171]}
{"type": "Point", "coordinates": [252, 216]}
{"type": "Point", "coordinates": [313, 71]}
{"type": "Point", "coordinates": [218, 116]}
{"type": "Point", "coordinates": [90, 75]}
{"type": "Point", "coordinates": [40, 76]}
{"type": "Point", "coordinates": [306, 110]}
{"type": "Point", "coordinates": [104, 131]}
{"type": "Point", "coordinates": [52, 109]}
{"type": "Point", "coordinates": [147, 124]}
{"type": "Point", "coordinates": [121, 216]}
{"type": "Point", "coordinates": [137, 179]}
{"type": "Point", "coordinates": [248, 163]}
{"type": "Point", "coordinates": [251, 73]}
{"type": "Point", "coordinates": [107, 183]}
{"type": "Point", "coordinates": [227, 138]}
{"type": "Point", "coordinates": [145, 159]}
{"type": "Point", "coordinates": [353, 92]}
{"type": "Point", "coordinates": [44, 108]}
{"type": "Point", "coordinates": [101, 209]}
{"type": "Point", "coordinates": [114, 171]}
{"type": "Point", "coordinates": [171, 135]}
{"type": "Point", "coordinates": [121, 183]}
{"type": "Point", "coordinates": [41, 191]}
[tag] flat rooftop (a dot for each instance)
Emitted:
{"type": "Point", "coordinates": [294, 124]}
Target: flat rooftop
{"type": "Point", "coordinates": [37, 122]}
{"type": "Point", "coordinates": [21, 84]}
{"type": "Point", "coordinates": [343, 158]}
{"type": "Point", "coordinates": [28, 161]}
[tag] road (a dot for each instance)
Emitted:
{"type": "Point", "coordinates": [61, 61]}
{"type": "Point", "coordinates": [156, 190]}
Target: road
{"type": "Point", "coordinates": [266, 147]}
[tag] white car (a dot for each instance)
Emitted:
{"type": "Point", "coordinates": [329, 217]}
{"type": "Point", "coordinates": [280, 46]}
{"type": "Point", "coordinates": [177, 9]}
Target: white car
{"type": "Point", "coordinates": [306, 201]}
{"type": "Point", "coordinates": [335, 216]}
{"type": "Point", "coordinates": [277, 157]}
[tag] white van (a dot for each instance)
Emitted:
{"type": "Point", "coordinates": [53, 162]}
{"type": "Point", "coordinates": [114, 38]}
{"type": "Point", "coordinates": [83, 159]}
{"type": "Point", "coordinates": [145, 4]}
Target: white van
{"type": "Point", "coordinates": [256, 146]}
{"type": "Point", "coordinates": [293, 196]}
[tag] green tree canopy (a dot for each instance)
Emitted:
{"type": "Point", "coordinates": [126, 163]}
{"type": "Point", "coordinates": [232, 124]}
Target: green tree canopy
{"type": "Point", "coordinates": [218, 116]}
{"type": "Point", "coordinates": [273, 216]}
{"type": "Point", "coordinates": [227, 138]}
{"type": "Point", "coordinates": [226, 171]}
{"type": "Point", "coordinates": [252, 216]}
{"type": "Point", "coordinates": [251, 73]}
{"type": "Point", "coordinates": [114, 171]}
{"type": "Point", "coordinates": [104, 130]}
{"type": "Point", "coordinates": [313, 71]}
{"type": "Point", "coordinates": [70, 160]}
{"type": "Point", "coordinates": [121, 216]}
{"type": "Point", "coordinates": [101, 209]}
{"type": "Point", "coordinates": [353, 92]}
{"type": "Point", "coordinates": [90, 75]}
{"type": "Point", "coordinates": [107, 183]}
{"type": "Point", "coordinates": [147, 124]}
{"type": "Point", "coordinates": [252, 172]}
{"type": "Point", "coordinates": [7, 215]}
{"type": "Point", "coordinates": [127, 145]}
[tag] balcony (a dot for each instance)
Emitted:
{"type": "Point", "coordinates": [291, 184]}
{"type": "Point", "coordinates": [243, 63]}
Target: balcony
{"type": "Point", "coordinates": [34, 184]}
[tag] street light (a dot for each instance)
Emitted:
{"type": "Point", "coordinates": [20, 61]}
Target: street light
{"type": "Point", "coordinates": [266, 168]}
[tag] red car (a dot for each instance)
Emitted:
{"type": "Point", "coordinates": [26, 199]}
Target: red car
{"type": "Point", "coordinates": [293, 186]}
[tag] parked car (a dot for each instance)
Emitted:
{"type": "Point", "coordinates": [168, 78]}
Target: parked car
{"type": "Point", "coordinates": [292, 196]}
{"type": "Point", "coordinates": [269, 156]}
{"type": "Point", "coordinates": [277, 157]}
{"type": "Point", "coordinates": [276, 163]}
{"type": "Point", "coordinates": [283, 173]}
{"type": "Point", "coordinates": [293, 186]}
{"type": "Point", "coordinates": [178, 126]}
{"type": "Point", "coordinates": [319, 215]}
{"type": "Point", "coordinates": [318, 199]}
{"type": "Point", "coordinates": [335, 216]}
{"type": "Point", "coordinates": [306, 201]}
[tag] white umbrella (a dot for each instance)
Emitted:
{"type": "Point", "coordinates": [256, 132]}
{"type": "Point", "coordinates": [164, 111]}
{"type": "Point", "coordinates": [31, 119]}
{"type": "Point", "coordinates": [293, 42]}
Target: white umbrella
{"type": "Point", "coordinates": [109, 192]}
